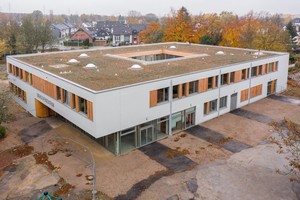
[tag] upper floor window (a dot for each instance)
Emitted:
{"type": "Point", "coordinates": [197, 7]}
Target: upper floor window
{"type": "Point", "coordinates": [253, 71]}
{"type": "Point", "coordinates": [193, 87]}
{"type": "Point", "coordinates": [245, 74]}
{"type": "Point", "coordinates": [224, 79]}
{"type": "Point", "coordinates": [162, 95]}
{"type": "Point", "coordinates": [175, 91]}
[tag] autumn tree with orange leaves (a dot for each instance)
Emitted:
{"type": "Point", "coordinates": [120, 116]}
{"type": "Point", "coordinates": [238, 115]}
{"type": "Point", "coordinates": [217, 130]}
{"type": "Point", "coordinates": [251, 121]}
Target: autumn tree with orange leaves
{"type": "Point", "coordinates": [153, 33]}
{"type": "Point", "coordinates": [179, 27]}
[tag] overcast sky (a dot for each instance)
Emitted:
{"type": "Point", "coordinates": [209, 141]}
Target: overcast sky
{"type": "Point", "coordinates": [158, 7]}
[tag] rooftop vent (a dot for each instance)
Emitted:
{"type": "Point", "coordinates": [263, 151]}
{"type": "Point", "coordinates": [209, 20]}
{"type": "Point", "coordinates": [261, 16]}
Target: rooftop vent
{"type": "Point", "coordinates": [90, 65]}
{"type": "Point", "coordinates": [173, 47]}
{"type": "Point", "coordinates": [73, 61]}
{"type": "Point", "coordinates": [83, 55]}
{"type": "Point", "coordinates": [220, 53]}
{"type": "Point", "coordinates": [135, 67]}
{"type": "Point", "coordinates": [258, 53]}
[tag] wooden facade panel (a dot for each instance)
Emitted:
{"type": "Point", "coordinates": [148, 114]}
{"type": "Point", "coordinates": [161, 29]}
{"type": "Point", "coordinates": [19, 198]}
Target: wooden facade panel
{"type": "Point", "coordinates": [207, 108]}
{"type": "Point", "coordinates": [256, 91]}
{"type": "Point", "coordinates": [180, 91]}
{"type": "Point", "coordinates": [41, 110]}
{"type": "Point", "coordinates": [244, 95]}
{"type": "Point", "coordinates": [237, 76]}
{"type": "Point", "coordinates": [77, 103]}
{"type": "Point", "coordinates": [203, 85]}
{"type": "Point", "coordinates": [274, 66]}
{"type": "Point", "coordinates": [214, 85]}
{"type": "Point", "coordinates": [264, 68]}
{"type": "Point", "coordinates": [228, 79]}
{"type": "Point", "coordinates": [187, 91]}
{"type": "Point", "coordinates": [90, 110]}
{"type": "Point", "coordinates": [72, 100]}
{"type": "Point", "coordinates": [44, 86]}
{"type": "Point", "coordinates": [153, 98]}
{"type": "Point", "coordinates": [272, 87]}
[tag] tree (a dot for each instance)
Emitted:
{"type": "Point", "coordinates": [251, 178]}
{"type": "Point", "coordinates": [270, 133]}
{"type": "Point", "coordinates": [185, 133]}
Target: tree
{"type": "Point", "coordinates": [134, 17]}
{"type": "Point", "coordinates": [86, 43]}
{"type": "Point", "coordinates": [46, 37]}
{"type": "Point", "coordinates": [291, 29]}
{"type": "Point", "coordinates": [5, 101]}
{"type": "Point", "coordinates": [27, 34]}
{"type": "Point", "coordinates": [179, 27]}
{"type": "Point", "coordinates": [153, 33]}
{"type": "Point", "coordinates": [2, 48]}
{"type": "Point", "coordinates": [289, 144]}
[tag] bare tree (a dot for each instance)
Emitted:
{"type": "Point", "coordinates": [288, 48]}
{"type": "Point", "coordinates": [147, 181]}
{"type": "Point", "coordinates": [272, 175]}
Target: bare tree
{"type": "Point", "coordinates": [289, 144]}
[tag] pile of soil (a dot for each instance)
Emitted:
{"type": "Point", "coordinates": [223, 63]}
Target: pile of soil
{"type": "Point", "coordinates": [42, 158]}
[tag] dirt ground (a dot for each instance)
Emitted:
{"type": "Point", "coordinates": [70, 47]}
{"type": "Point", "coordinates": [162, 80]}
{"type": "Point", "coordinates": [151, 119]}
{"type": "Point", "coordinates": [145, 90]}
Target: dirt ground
{"type": "Point", "coordinates": [293, 88]}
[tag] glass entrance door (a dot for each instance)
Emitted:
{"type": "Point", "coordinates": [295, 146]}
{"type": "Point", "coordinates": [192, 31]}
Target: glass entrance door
{"type": "Point", "coordinates": [146, 135]}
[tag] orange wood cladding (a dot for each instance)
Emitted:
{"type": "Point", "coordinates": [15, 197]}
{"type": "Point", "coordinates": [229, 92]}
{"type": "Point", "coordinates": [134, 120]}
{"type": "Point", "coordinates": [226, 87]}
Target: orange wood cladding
{"type": "Point", "coordinates": [9, 68]}
{"type": "Point", "coordinates": [244, 95]}
{"type": "Point", "coordinates": [237, 76]}
{"type": "Point", "coordinates": [187, 85]}
{"type": "Point", "coordinates": [90, 114]}
{"type": "Point", "coordinates": [228, 79]}
{"type": "Point", "coordinates": [44, 86]}
{"type": "Point", "coordinates": [72, 100]}
{"type": "Point", "coordinates": [274, 66]}
{"type": "Point", "coordinates": [203, 85]}
{"type": "Point", "coordinates": [41, 110]}
{"type": "Point", "coordinates": [153, 98]}
{"type": "Point", "coordinates": [77, 103]}
{"type": "Point", "coordinates": [214, 85]}
{"type": "Point", "coordinates": [180, 91]}
{"type": "Point", "coordinates": [256, 91]}
{"type": "Point", "coordinates": [207, 108]}
{"type": "Point", "coordinates": [272, 87]}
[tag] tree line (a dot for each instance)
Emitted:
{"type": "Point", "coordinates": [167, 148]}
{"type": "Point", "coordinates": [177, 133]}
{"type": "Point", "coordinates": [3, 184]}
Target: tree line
{"type": "Point", "coordinates": [256, 31]}
{"type": "Point", "coordinates": [27, 35]}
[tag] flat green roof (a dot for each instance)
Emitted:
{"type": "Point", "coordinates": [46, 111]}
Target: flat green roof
{"type": "Point", "coordinates": [113, 63]}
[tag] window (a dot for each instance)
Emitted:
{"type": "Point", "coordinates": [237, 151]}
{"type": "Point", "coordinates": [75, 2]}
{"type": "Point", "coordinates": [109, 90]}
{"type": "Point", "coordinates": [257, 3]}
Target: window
{"type": "Point", "coordinates": [232, 77]}
{"type": "Point", "coordinates": [27, 76]}
{"type": "Point", "coordinates": [82, 105]}
{"type": "Point", "coordinates": [175, 91]}
{"type": "Point", "coordinates": [184, 89]}
{"type": "Point", "coordinates": [66, 97]}
{"type": "Point", "coordinates": [253, 71]}
{"type": "Point", "coordinates": [260, 69]}
{"type": "Point", "coordinates": [223, 102]}
{"type": "Point", "coordinates": [210, 82]}
{"type": "Point", "coordinates": [162, 95]}
{"type": "Point", "coordinates": [270, 67]}
{"type": "Point", "coordinates": [245, 74]}
{"type": "Point", "coordinates": [193, 87]}
{"type": "Point", "coordinates": [21, 74]}
{"type": "Point", "coordinates": [210, 106]}
{"type": "Point", "coordinates": [276, 66]}
{"type": "Point", "coordinates": [58, 93]}
{"type": "Point", "coordinates": [224, 78]}
{"type": "Point", "coordinates": [17, 71]}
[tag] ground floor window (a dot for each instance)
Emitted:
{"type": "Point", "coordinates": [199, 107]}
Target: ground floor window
{"type": "Point", "coordinates": [127, 140]}
{"type": "Point", "coordinates": [210, 106]}
{"type": "Point", "coordinates": [190, 117]}
{"type": "Point", "coordinates": [223, 102]}
{"type": "Point", "coordinates": [177, 119]}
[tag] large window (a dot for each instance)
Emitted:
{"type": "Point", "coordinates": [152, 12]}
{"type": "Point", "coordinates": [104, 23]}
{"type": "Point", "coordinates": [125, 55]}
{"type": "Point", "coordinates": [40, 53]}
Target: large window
{"type": "Point", "coordinates": [223, 102]}
{"type": "Point", "coordinates": [210, 106]}
{"type": "Point", "coordinates": [193, 87]}
{"type": "Point", "coordinates": [58, 93]}
{"type": "Point", "coordinates": [162, 95]}
{"type": "Point", "coordinates": [224, 79]}
{"type": "Point", "coordinates": [253, 71]}
{"type": "Point", "coordinates": [210, 83]}
{"type": "Point", "coordinates": [175, 91]}
{"type": "Point", "coordinates": [270, 66]}
{"type": "Point", "coordinates": [66, 97]}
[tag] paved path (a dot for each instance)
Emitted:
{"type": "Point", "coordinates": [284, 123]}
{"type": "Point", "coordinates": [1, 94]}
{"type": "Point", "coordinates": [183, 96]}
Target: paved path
{"type": "Point", "coordinates": [34, 131]}
{"type": "Point", "coordinates": [158, 152]}
{"type": "Point", "coordinates": [285, 99]}
{"type": "Point", "coordinates": [252, 115]}
{"type": "Point", "coordinates": [217, 138]}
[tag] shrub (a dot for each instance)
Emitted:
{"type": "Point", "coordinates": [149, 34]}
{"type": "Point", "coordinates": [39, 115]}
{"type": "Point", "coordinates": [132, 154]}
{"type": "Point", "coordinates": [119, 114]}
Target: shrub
{"type": "Point", "coordinates": [2, 132]}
